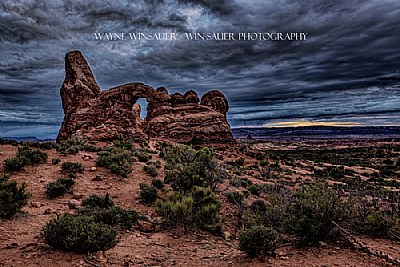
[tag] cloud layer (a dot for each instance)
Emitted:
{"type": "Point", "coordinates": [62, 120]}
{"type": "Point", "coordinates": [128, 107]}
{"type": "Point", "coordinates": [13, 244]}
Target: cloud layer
{"type": "Point", "coordinates": [335, 73]}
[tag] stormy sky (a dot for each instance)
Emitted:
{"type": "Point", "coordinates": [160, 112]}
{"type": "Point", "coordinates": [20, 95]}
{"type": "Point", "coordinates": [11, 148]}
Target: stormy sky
{"type": "Point", "coordinates": [334, 77]}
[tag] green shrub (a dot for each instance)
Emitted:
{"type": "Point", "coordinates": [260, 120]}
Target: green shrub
{"type": "Point", "coordinates": [196, 141]}
{"type": "Point", "coordinates": [41, 145]}
{"type": "Point", "coordinates": [72, 168]}
{"type": "Point", "coordinates": [25, 156]}
{"type": "Point", "coordinates": [378, 224]}
{"type": "Point", "coordinates": [239, 162]}
{"type": "Point", "coordinates": [12, 198]}
{"type": "Point", "coordinates": [14, 164]}
{"type": "Point", "coordinates": [148, 194]}
{"type": "Point", "coordinates": [312, 211]}
{"type": "Point", "coordinates": [123, 143]}
{"type": "Point", "coordinates": [104, 211]}
{"type": "Point", "coordinates": [8, 142]}
{"type": "Point", "coordinates": [235, 182]}
{"type": "Point", "coordinates": [55, 161]}
{"type": "Point", "coordinates": [117, 160]}
{"type": "Point", "coordinates": [74, 146]}
{"type": "Point", "coordinates": [32, 157]}
{"type": "Point", "coordinates": [255, 189]}
{"type": "Point", "coordinates": [245, 182]}
{"type": "Point", "coordinates": [156, 164]}
{"type": "Point", "coordinates": [200, 208]}
{"type": "Point", "coordinates": [186, 168]}
{"type": "Point", "coordinates": [143, 156]}
{"type": "Point", "coordinates": [113, 216]}
{"type": "Point", "coordinates": [55, 189]}
{"type": "Point", "coordinates": [96, 201]}
{"type": "Point", "coordinates": [259, 206]}
{"type": "Point", "coordinates": [235, 197]}
{"type": "Point", "coordinates": [177, 211]}
{"type": "Point", "coordinates": [151, 170]}
{"type": "Point", "coordinates": [258, 241]}
{"type": "Point", "coordinates": [260, 157]}
{"type": "Point", "coordinates": [158, 184]}
{"type": "Point", "coordinates": [271, 214]}
{"type": "Point", "coordinates": [79, 233]}
{"type": "Point", "coordinates": [59, 187]}
{"type": "Point", "coordinates": [117, 216]}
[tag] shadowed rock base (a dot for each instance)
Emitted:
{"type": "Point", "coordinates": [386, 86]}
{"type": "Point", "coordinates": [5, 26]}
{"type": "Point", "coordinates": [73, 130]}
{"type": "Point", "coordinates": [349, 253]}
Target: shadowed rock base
{"type": "Point", "coordinates": [96, 115]}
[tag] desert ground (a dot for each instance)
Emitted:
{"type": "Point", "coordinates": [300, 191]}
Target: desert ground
{"type": "Point", "coordinates": [348, 164]}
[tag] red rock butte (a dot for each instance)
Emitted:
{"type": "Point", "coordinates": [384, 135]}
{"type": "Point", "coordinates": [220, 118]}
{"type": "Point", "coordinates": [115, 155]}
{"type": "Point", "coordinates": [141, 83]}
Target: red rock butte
{"type": "Point", "coordinates": [101, 115]}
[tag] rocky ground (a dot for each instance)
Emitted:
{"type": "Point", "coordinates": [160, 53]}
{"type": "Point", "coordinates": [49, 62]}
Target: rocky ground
{"type": "Point", "coordinates": [21, 245]}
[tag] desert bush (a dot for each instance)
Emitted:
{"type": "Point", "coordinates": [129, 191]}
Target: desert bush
{"type": "Point", "coordinates": [104, 211]}
{"type": "Point", "coordinates": [12, 198]}
{"type": "Point", "coordinates": [377, 216]}
{"type": "Point", "coordinates": [74, 146]}
{"type": "Point", "coordinates": [32, 157]}
{"type": "Point", "coordinates": [199, 208]}
{"type": "Point", "coordinates": [378, 224]}
{"type": "Point", "coordinates": [118, 160]}
{"type": "Point", "coordinates": [96, 201]}
{"type": "Point", "coordinates": [239, 162]}
{"type": "Point", "coordinates": [186, 168]}
{"type": "Point", "coordinates": [72, 168]}
{"type": "Point", "coordinates": [235, 197]}
{"type": "Point", "coordinates": [14, 164]}
{"type": "Point", "coordinates": [196, 141]}
{"type": "Point", "coordinates": [25, 156]}
{"type": "Point", "coordinates": [59, 187]}
{"type": "Point", "coordinates": [148, 194]}
{"type": "Point", "coordinates": [79, 233]}
{"type": "Point", "coordinates": [151, 170]}
{"type": "Point", "coordinates": [143, 155]}
{"type": "Point", "coordinates": [245, 182]}
{"type": "Point", "coordinates": [260, 157]}
{"type": "Point", "coordinates": [177, 211]}
{"type": "Point", "coordinates": [123, 143]}
{"type": "Point", "coordinates": [271, 214]}
{"type": "Point", "coordinates": [259, 206]}
{"type": "Point", "coordinates": [41, 145]}
{"type": "Point", "coordinates": [158, 184]}
{"type": "Point", "coordinates": [117, 216]}
{"type": "Point", "coordinates": [235, 182]}
{"type": "Point", "coordinates": [255, 189]}
{"type": "Point", "coordinates": [156, 164]}
{"type": "Point", "coordinates": [312, 211]}
{"type": "Point", "coordinates": [8, 142]}
{"type": "Point", "coordinates": [55, 161]}
{"type": "Point", "coordinates": [258, 241]}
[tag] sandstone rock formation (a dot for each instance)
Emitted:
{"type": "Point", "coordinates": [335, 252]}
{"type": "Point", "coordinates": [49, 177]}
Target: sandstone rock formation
{"type": "Point", "coordinates": [92, 114]}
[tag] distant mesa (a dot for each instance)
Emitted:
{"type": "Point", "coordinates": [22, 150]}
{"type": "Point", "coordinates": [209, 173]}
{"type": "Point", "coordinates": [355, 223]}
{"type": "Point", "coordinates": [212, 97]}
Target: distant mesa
{"type": "Point", "coordinates": [96, 115]}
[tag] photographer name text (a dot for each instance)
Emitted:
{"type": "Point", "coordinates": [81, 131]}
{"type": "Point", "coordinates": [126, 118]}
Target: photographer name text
{"type": "Point", "coordinates": [200, 36]}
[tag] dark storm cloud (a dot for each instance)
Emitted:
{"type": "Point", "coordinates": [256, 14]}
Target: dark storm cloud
{"type": "Point", "coordinates": [350, 44]}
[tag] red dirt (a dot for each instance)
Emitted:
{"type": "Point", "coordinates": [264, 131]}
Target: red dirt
{"type": "Point", "coordinates": [20, 244]}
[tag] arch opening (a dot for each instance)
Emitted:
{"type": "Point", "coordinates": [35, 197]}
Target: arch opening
{"type": "Point", "coordinates": [142, 102]}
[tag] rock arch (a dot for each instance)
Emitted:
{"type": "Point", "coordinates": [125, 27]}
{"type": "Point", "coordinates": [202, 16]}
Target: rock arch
{"type": "Point", "coordinates": [92, 114]}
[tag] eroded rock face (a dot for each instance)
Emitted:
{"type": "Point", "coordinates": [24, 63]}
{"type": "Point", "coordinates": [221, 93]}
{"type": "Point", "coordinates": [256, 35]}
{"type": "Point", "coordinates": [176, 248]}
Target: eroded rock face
{"type": "Point", "coordinates": [96, 115]}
